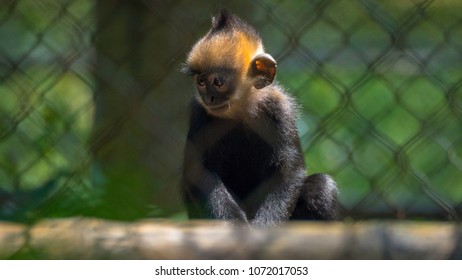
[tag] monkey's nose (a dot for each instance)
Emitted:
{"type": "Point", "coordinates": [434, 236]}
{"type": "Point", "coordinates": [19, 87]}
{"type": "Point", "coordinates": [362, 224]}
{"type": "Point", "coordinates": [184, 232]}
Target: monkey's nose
{"type": "Point", "coordinates": [211, 99]}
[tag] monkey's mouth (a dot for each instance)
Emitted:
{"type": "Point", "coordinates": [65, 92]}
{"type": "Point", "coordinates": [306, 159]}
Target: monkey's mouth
{"type": "Point", "coordinates": [220, 107]}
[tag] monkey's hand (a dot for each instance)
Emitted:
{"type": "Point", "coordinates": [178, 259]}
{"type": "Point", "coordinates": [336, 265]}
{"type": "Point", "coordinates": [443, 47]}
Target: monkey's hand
{"type": "Point", "coordinates": [275, 210]}
{"type": "Point", "coordinates": [283, 191]}
{"type": "Point", "coordinates": [223, 206]}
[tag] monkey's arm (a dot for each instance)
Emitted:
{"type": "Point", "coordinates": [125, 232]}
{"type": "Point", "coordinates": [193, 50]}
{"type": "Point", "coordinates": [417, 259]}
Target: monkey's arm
{"type": "Point", "coordinates": [292, 194]}
{"type": "Point", "coordinates": [223, 206]}
{"type": "Point", "coordinates": [283, 191]}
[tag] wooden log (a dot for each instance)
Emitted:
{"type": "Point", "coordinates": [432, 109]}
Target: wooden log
{"type": "Point", "coordinates": [12, 239]}
{"type": "Point", "coordinates": [83, 238]}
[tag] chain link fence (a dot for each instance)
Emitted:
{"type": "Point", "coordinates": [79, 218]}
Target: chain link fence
{"type": "Point", "coordinates": [93, 109]}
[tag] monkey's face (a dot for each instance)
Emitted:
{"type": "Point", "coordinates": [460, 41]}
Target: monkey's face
{"type": "Point", "coordinates": [229, 67]}
{"type": "Point", "coordinates": [215, 89]}
{"type": "Point", "coordinates": [227, 91]}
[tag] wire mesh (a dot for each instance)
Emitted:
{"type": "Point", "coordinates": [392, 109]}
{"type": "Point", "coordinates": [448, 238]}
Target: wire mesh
{"type": "Point", "coordinates": [93, 108]}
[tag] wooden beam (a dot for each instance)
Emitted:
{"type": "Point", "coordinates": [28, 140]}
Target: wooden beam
{"type": "Point", "coordinates": [84, 238]}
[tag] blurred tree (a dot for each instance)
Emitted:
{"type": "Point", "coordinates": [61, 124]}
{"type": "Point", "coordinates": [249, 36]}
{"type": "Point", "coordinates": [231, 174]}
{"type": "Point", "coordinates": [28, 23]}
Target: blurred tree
{"type": "Point", "coordinates": [141, 107]}
{"type": "Point", "coordinates": [135, 156]}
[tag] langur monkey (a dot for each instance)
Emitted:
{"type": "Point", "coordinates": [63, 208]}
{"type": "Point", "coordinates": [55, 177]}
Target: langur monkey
{"type": "Point", "coordinates": [243, 160]}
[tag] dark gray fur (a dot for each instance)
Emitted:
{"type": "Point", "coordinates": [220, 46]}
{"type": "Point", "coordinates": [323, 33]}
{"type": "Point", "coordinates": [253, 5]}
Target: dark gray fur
{"type": "Point", "coordinates": [252, 170]}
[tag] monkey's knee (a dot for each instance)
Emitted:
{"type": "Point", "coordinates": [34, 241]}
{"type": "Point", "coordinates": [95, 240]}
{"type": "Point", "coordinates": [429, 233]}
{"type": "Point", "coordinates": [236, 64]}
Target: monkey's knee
{"type": "Point", "coordinates": [321, 196]}
{"type": "Point", "coordinates": [318, 200]}
{"type": "Point", "coordinates": [321, 184]}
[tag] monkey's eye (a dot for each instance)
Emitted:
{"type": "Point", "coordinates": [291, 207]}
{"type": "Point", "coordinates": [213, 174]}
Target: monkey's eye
{"type": "Point", "coordinates": [200, 80]}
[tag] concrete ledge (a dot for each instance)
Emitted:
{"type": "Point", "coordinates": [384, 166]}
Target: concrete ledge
{"type": "Point", "coordinates": [83, 238]}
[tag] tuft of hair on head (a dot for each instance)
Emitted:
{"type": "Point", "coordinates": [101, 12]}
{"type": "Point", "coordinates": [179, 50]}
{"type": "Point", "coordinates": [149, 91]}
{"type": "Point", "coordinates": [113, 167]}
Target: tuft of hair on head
{"type": "Point", "coordinates": [222, 20]}
{"type": "Point", "coordinates": [226, 21]}
{"type": "Point", "coordinates": [230, 42]}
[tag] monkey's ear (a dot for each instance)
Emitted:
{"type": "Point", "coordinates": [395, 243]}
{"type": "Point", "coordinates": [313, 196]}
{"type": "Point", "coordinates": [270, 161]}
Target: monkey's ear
{"type": "Point", "coordinates": [263, 69]}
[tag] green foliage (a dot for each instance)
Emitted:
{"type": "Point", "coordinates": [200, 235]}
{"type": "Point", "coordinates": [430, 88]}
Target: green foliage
{"type": "Point", "coordinates": [378, 85]}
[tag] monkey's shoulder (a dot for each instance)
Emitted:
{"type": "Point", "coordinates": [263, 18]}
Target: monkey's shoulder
{"type": "Point", "coordinates": [278, 105]}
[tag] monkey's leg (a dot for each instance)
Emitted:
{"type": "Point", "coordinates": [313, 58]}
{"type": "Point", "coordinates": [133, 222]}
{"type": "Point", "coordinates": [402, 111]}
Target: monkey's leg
{"type": "Point", "coordinates": [318, 201]}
